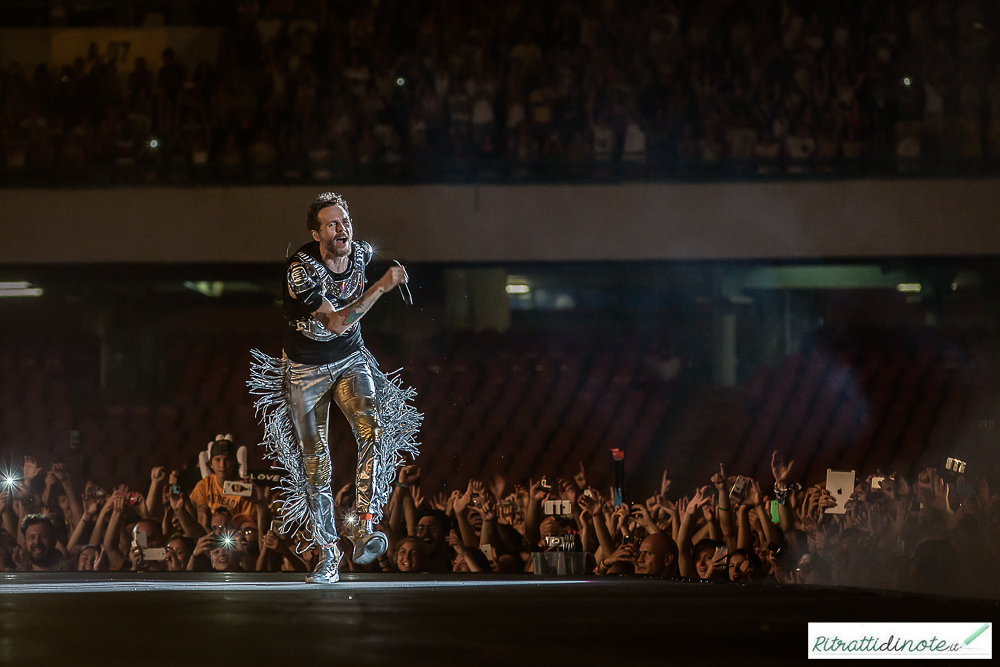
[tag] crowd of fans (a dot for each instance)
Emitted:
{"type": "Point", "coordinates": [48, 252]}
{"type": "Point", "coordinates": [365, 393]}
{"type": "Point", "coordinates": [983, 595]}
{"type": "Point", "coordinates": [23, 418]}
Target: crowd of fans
{"type": "Point", "coordinates": [327, 89]}
{"type": "Point", "coordinates": [936, 534]}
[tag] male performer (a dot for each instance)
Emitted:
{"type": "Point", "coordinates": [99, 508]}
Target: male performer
{"type": "Point", "coordinates": [326, 361]}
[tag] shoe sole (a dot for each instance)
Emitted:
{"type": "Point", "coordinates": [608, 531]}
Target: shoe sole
{"type": "Point", "coordinates": [373, 548]}
{"type": "Point", "coordinates": [318, 579]}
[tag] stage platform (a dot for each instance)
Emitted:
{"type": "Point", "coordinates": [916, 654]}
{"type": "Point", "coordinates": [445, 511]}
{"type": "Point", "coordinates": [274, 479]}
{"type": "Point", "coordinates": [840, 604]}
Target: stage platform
{"type": "Point", "coordinates": [251, 619]}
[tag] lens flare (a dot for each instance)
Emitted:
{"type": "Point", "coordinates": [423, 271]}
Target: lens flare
{"type": "Point", "coordinates": [9, 477]}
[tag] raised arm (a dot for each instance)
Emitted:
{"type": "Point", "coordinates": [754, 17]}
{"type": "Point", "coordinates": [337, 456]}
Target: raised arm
{"type": "Point", "coordinates": [591, 503]}
{"type": "Point", "coordinates": [782, 490]}
{"type": "Point", "coordinates": [191, 527]}
{"type": "Point", "coordinates": [86, 521]}
{"type": "Point", "coordinates": [69, 487]}
{"type": "Point", "coordinates": [395, 509]}
{"type": "Point", "coordinates": [744, 539]}
{"type": "Point", "coordinates": [204, 518]}
{"type": "Point", "coordinates": [641, 515]}
{"type": "Point", "coordinates": [461, 505]}
{"type": "Point", "coordinates": [533, 513]}
{"type": "Point", "coordinates": [113, 534]}
{"type": "Point", "coordinates": [31, 474]}
{"type": "Point", "coordinates": [684, 546]}
{"type": "Point", "coordinates": [50, 481]}
{"type": "Point", "coordinates": [711, 522]}
{"type": "Point", "coordinates": [770, 530]}
{"type": "Point", "coordinates": [409, 477]}
{"type": "Point", "coordinates": [7, 513]}
{"type": "Point", "coordinates": [154, 497]}
{"type": "Point", "coordinates": [725, 511]}
{"type": "Point", "coordinates": [97, 533]}
{"type": "Point", "coordinates": [409, 512]}
{"type": "Point", "coordinates": [489, 533]}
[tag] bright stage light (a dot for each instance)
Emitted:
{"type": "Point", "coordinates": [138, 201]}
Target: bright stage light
{"type": "Point", "coordinates": [518, 289]}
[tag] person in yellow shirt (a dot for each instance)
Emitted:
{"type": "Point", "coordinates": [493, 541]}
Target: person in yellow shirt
{"type": "Point", "coordinates": [208, 495]}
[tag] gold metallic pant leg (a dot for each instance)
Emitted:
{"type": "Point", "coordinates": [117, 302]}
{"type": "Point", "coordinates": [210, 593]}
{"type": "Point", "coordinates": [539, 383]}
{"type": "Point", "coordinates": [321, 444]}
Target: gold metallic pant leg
{"type": "Point", "coordinates": [354, 393]}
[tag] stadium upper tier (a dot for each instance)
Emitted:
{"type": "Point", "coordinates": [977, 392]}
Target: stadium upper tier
{"type": "Point", "coordinates": [394, 91]}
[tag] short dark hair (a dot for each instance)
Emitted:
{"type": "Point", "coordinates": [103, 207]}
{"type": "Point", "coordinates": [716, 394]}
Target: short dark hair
{"type": "Point", "coordinates": [324, 200]}
{"type": "Point", "coordinates": [32, 519]}
{"type": "Point", "coordinates": [707, 543]}
{"type": "Point", "coordinates": [748, 555]}
{"type": "Point", "coordinates": [442, 518]}
{"type": "Point", "coordinates": [188, 542]}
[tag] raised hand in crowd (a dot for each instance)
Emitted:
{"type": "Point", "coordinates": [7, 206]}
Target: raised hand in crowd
{"type": "Point", "coordinates": [642, 517]}
{"type": "Point", "coordinates": [497, 485]}
{"type": "Point", "coordinates": [409, 475]}
{"type": "Point", "coordinates": [780, 469]}
{"type": "Point", "coordinates": [183, 508]}
{"type": "Point", "coordinates": [664, 487]}
{"type": "Point", "coordinates": [31, 470]}
{"type": "Point", "coordinates": [154, 497]}
{"type": "Point", "coordinates": [417, 497]}
{"type": "Point", "coordinates": [439, 502]}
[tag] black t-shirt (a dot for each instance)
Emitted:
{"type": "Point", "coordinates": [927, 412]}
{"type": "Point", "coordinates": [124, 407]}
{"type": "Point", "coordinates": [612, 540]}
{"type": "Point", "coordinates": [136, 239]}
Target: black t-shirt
{"type": "Point", "coordinates": [306, 340]}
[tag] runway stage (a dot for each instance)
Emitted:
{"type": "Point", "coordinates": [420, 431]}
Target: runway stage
{"type": "Point", "coordinates": [251, 619]}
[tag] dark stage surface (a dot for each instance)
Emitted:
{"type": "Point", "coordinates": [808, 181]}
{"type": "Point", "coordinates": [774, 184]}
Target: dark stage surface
{"type": "Point", "coordinates": [208, 619]}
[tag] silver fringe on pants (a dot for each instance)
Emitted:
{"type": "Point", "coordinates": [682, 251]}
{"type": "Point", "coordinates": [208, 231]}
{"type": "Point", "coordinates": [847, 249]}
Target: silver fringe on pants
{"type": "Point", "coordinates": [293, 405]}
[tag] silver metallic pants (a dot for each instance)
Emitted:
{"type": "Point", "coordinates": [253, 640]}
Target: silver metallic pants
{"type": "Point", "coordinates": [349, 384]}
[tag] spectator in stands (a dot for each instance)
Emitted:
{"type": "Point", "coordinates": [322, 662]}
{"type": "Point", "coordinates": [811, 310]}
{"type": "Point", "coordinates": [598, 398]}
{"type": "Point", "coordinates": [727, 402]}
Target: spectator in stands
{"type": "Point", "coordinates": [409, 557]}
{"type": "Point", "coordinates": [711, 536]}
{"type": "Point", "coordinates": [657, 557]}
{"type": "Point", "coordinates": [40, 552]}
{"type": "Point", "coordinates": [218, 553]}
{"type": "Point", "coordinates": [688, 84]}
{"type": "Point", "coordinates": [147, 531]}
{"type": "Point", "coordinates": [86, 559]}
{"type": "Point", "coordinates": [743, 565]}
{"type": "Point", "coordinates": [245, 530]}
{"type": "Point", "coordinates": [432, 531]}
{"type": "Point", "coordinates": [171, 75]}
{"type": "Point", "coordinates": [179, 550]}
{"type": "Point", "coordinates": [209, 494]}
{"type": "Point", "coordinates": [222, 522]}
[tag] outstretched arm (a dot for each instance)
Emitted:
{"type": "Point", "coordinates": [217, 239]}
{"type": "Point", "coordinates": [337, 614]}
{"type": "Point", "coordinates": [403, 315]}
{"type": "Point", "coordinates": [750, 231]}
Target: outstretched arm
{"type": "Point", "coordinates": [339, 321]}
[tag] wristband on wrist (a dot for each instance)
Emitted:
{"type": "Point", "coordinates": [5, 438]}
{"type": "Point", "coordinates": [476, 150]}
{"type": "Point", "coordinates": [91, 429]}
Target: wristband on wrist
{"type": "Point", "coordinates": [781, 493]}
